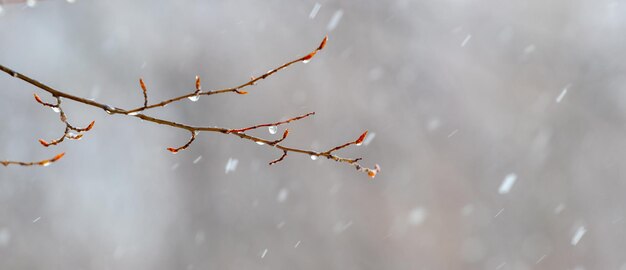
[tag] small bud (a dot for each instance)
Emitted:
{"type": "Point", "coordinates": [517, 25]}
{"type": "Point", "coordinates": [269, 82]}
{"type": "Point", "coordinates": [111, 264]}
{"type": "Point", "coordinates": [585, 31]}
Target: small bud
{"type": "Point", "coordinates": [308, 58]}
{"type": "Point", "coordinates": [57, 157]}
{"type": "Point", "coordinates": [242, 92]}
{"type": "Point", "coordinates": [143, 85]}
{"type": "Point", "coordinates": [75, 137]}
{"type": "Point", "coordinates": [371, 173]}
{"type": "Point", "coordinates": [38, 99]}
{"type": "Point", "coordinates": [359, 141]}
{"type": "Point", "coordinates": [90, 126]}
{"type": "Point", "coordinates": [198, 83]}
{"type": "Point", "coordinates": [44, 143]}
{"type": "Point", "coordinates": [323, 44]}
{"type": "Point", "coordinates": [173, 150]}
{"type": "Point", "coordinates": [285, 134]}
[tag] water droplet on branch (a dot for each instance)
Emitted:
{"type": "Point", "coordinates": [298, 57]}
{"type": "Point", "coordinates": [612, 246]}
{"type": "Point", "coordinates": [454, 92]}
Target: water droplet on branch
{"type": "Point", "coordinates": [313, 157]}
{"type": "Point", "coordinates": [273, 129]}
{"type": "Point", "coordinates": [109, 109]}
{"type": "Point", "coordinates": [194, 98]}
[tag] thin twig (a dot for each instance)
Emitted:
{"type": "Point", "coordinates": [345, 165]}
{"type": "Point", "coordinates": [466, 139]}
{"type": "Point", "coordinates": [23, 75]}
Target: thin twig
{"type": "Point", "coordinates": [194, 129]}
{"type": "Point", "coordinates": [272, 124]}
{"type": "Point", "coordinates": [279, 159]}
{"type": "Point", "coordinates": [44, 162]}
{"type": "Point", "coordinates": [237, 89]}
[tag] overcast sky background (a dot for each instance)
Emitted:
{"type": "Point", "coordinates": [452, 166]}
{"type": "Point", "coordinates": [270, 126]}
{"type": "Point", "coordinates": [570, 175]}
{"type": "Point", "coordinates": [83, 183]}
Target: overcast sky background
{"type": "Point", "coordinates": [499, 126]}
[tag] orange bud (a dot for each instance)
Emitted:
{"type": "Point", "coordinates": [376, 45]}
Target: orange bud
{"type": "Point", "coordinates": [90, 126]}
{"type": "Point", "coordinates": [361, 138]}
{"type": "Point", "coordinates": [142, 84]}
{"type": "Point", "coordinates": [323, 44]}
{"type": "Point", "coordinates": [308, 57]}
{"type": "Point", "coordinates": [38, 99]}
{"type": "Point", "coordinates": [57, 157]}
{"type": "Point", "coordinates": [44, 143]}
{"type": "Point", "coordinates": [285, 133]}
{"type": "Point", "coordinates": [197, 83]}
{"type": "Point", "coordinates": [173, 150]}
{"type": "Point", "coordinates": [371, 173]}
{"type": "Point", "coordinates": [242, 92]}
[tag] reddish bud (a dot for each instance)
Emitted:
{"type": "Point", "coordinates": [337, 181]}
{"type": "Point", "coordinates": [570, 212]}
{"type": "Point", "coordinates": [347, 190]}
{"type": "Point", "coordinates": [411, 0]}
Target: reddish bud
{"type": "Point", "coordinates": [142, 84]}
{"type": "Point", "coordinates": [90, 126]}
{"type": "Point", "coordinates": [198, 83]}
{"type": "Point", "coordinates": [173, 150]}
{"type": "Point", "coordinates": [285, 134]}
{"type": "Point", "coordinates": [57, 157]}
{"type": "Point", "coordinates": [38, 99]}
{"type": "Point", "coordinates": [361, 138]}
{"type": "Point", "coordinates": [308, 58]}
{"type": "Point", "coordinates": [323, 44]}
{"type": "Point", "coordinates": [44, 143]}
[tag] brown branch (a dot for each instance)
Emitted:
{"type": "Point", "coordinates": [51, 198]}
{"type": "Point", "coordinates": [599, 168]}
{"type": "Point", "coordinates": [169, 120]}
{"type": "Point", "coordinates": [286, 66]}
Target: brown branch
{"type": "Point", "coordinates": [145, 92]}
{"type": "Point", "coordinates": [68, 127]}
{"type": "Point", "coordinates": [44, 162]}
{"type": "Point", "coordinates": [358, 142]}
{"type": "Point", "coordinates": [285, 134]}
{"type": "Point", "coordinates": [271, 124]}
{"type": "Point", "coordinates": [194, 129]}
{"type": "Point", "coordinates": [279, 159]}
{"type": "Point", "coordinates": [305, 59]}
{"type": "Point", "coordinates": [175, 150]}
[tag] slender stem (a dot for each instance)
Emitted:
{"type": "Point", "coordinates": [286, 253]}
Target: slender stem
{"type": "Point", "coordinates": [193, 129]}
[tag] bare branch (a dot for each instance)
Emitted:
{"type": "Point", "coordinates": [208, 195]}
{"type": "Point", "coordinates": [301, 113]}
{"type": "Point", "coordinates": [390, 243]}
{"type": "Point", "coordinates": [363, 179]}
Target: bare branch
{"type": "Point", "coordinates": [145, 92]}
{"type": "Point", "coordinates": [194, 130]}
{"type": "Point", "coordinates": [272, 124]}
{"type": "Point", "coordinates": [238, 89]}
{"type": "Point", "coordinates": [44, 162]}
{"type": "Point", "coordinates": [175, 150]}
{"type": "Point", "coordinates": [279, 159]}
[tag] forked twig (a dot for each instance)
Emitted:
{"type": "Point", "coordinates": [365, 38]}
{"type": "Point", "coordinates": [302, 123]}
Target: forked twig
{"type": "Point", "coordinates": [194, 130]}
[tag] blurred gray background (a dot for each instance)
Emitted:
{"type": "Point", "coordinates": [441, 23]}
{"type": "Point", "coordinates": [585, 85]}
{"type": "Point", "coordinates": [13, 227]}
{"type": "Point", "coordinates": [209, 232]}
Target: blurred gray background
{"type": "Point", "coordinates": [499, 126]}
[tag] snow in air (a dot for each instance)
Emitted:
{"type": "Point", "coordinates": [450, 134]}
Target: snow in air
{"type": "Point", "coordinates": [507, 184]}
{"type": "Point", "coordinates": [195, 161]}
{"type": "Point", "coordinates": [562, 95]}
{"type": "Point", "coordinates": [334, 21]}
{"type": "Point", "coordinates": [5, 237]}
{"type": "Point", "coordinates": [369, 138]}
{"type": "Point", "coordinates": [466, 40]}
{"type": "Point", "coordinates": [314, 11]}
{"type": "Point", "coordinates": [264, 253]}
{"type": "Point", "coordinates": [282, 195]}
{"type": "Point", "coordinates": [231, 165]}
{"type": "Point", "coordinates": [417, 216]}
{"type": "Point", "coordinates": [578, 235]}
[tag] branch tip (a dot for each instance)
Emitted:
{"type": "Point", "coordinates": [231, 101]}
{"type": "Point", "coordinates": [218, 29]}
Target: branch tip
{"type": "Point", "coordinates": [323, 44]}
{"type": "Point", "coordinates": [359, 141]}
{"type": "Point", "coordinates": [198, 83]}
{"type": "Point", "coordinates": [44, 143]}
